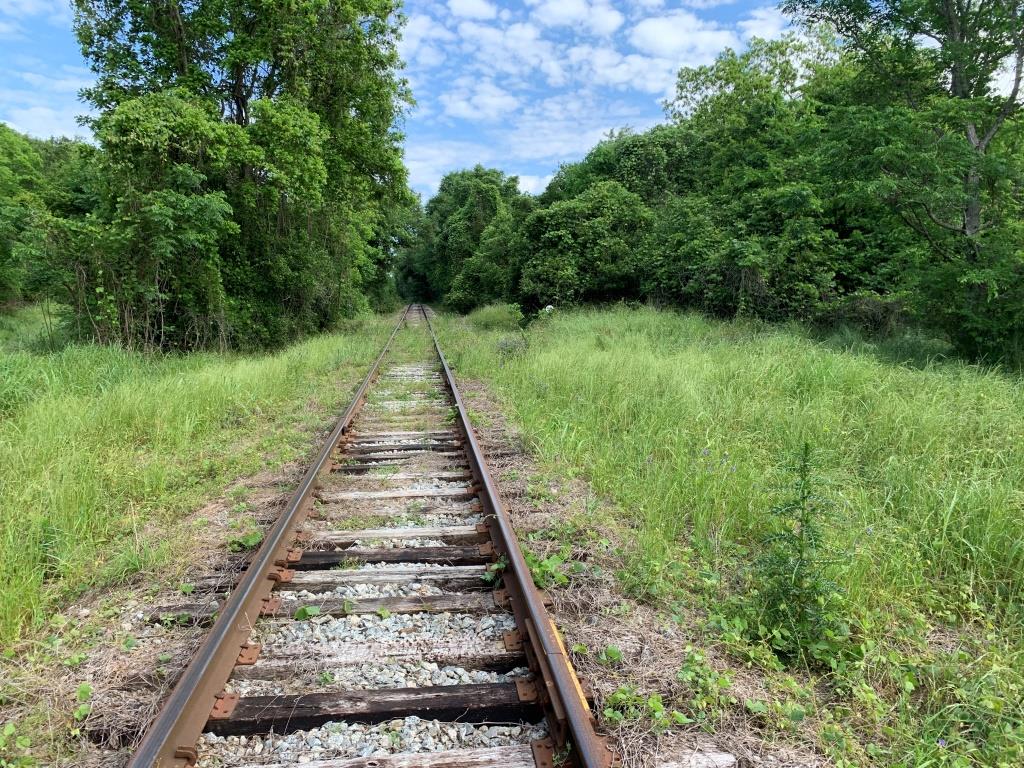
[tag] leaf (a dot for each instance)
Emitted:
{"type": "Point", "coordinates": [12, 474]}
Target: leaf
{"type": "Point", "coordinates": [755, 707]}
{"type": "Point", "coordinates": [306, 612]}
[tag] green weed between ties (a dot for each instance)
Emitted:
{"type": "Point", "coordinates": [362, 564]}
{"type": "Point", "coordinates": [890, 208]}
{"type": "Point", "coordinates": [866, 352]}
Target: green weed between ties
{"type": "Point", "coordinates": [684, 423]}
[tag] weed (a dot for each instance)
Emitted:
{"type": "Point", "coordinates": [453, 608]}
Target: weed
{"type": "Point", "coordinates": [547, 572]}
{"type": "Point", "coordinates": [14, 747]}
{"type": "Point", "coordinates": [306, 612]}
{"type": "Point", "coordinates": [610, 656]}
{"type": "Point", "coordinates": [678, 420]}
{"type": "Point", "coordinates": [325, 678]}
{"type": "Point", "coordinates": [496, 317]}
{"type": "Point", "coordinates": [627, 704]}
{"type": "Point", "coordinates": [127, 431]}
{"type": "Point", "coordinates": [707, 688]}
{"type": "Point", "coordinates": [799, 611]}
{"type": "Point", "coordinates": [494, 570]}
{"type": "Point", "coordinates": [244, 542]}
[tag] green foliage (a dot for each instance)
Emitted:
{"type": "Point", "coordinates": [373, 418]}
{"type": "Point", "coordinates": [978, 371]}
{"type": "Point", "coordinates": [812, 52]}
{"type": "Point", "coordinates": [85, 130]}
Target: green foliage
{"type": "Point", "coordinates": [585, 248]}
{"type": "Point", "coordinates": [707, 689]}
{"type": "Point", "coordinates": [245, 541]}
{"type": "Point", "coordinates": [468, 244]}
{"type": "Point", "coordinates": [14, 748]}
{"type": "Point", "coordinates": [799, 611]}
{"type": "Point", "coordinates": [245, 187]}
{"type": "Point", "coordinates": [505, 317]}
{"type": "Point", "coordinates": [861, 179]}
{"type": "Point", "coordinates": [628, 704]}
{"type": "Point", "coordinates": [307, 612]}
{"type": "Point", "coordinates": [548, 571]}
{"type": "Point", "coordinates": [679, 421]}
{"type": "Point", "coordinates": [610, 656]}
{"type": "Point", "coordinates": [99, 448]}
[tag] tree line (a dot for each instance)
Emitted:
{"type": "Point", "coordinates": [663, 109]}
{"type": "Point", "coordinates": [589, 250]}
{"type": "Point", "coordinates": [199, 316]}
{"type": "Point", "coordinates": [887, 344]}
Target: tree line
{"type": "Point", "coordinates": [246, 185]}
{"type": "Point", "coordinates": [868, 170]}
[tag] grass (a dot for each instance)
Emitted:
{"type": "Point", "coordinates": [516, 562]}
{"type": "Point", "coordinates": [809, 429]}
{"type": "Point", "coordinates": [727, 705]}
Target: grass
{"type": "Point", "coordinates": [102, 449]}
{"type": "Point", "coordinates": [26, 326]}
{"type": "Point", "coordinates": [689, 425]}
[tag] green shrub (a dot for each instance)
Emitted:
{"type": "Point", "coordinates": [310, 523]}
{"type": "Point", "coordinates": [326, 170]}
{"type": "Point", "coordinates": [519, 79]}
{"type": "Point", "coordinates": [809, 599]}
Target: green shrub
{"type": "Point", "coordinates": [497, 317]}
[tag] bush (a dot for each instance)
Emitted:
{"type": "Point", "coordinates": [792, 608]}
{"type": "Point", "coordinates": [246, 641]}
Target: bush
{"type": "Point", "coordinates": [497, 317]}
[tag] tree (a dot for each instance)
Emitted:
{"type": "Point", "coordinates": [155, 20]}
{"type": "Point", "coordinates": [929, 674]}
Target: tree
{"type": "Point", "coordinates": [586, 248]}
{"type": "Point", "coordinates": [947, 149]}
{"type": "Point", "coordinates": [470, 207]}
{"type": "Point", "coordinates": [288, 206]}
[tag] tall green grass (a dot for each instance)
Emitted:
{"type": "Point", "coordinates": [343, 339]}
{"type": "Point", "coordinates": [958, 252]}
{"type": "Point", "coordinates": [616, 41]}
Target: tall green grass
{"type": "Point", "coordinates": [690, 425]}
{"type": "Point", "coordinates": [101, 449]}
{"type": "Point", "coordinates": [687, 423]}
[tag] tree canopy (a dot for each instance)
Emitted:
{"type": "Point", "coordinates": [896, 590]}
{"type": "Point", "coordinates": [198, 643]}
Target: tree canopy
{"type": "Point", "coordinates": [868, 178]}
{"type": "Point", "coordinates": [246, 179]}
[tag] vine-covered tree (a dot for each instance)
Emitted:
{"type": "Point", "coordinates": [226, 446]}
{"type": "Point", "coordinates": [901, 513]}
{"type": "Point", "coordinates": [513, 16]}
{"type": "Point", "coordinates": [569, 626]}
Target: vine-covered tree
{"type": "Point", "coordinates": [934, 118]}
{"type": "Point", "coordinates": [252, 160]}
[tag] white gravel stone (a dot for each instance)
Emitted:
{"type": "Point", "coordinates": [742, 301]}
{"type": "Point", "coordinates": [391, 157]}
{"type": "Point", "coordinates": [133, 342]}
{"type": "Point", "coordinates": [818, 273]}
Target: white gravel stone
{"type": "Point", "coordinates": [414, 674]}
{"type": "Point", "coordinates": [365, 591]}
{"type": "Point", "coordinates": [342, 739]}
{"type": "Point", "coordinates": [320, 633]}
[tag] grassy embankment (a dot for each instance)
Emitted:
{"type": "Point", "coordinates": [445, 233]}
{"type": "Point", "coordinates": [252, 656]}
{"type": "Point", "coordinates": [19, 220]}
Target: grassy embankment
{"type": "Point", "coordinates": [101, 449]}
{"type": "Point", "coordinates": [690, 427]}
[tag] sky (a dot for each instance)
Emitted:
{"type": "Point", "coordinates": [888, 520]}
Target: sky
{"type": "Point", "coordinates": [522, 86]}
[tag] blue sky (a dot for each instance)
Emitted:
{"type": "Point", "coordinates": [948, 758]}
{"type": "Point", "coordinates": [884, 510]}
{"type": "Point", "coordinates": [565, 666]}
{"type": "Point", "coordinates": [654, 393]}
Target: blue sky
{"type": "Point", "coordinates": [522, 86]}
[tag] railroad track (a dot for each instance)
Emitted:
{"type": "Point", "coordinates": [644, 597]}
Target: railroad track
{"type": "Point", "coordinates": [389, 619]}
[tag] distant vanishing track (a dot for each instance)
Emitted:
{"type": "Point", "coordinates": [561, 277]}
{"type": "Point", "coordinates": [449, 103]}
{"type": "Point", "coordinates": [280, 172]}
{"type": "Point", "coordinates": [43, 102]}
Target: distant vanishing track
{"type": "Point", "coordinates": [389, 619]}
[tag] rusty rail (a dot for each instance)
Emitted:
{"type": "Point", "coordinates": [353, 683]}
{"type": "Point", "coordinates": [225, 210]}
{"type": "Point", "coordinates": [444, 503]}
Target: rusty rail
{"type": "Point", "coordinates": [170, 740]}
{"type": "Point", "coordinates": [569, 714]}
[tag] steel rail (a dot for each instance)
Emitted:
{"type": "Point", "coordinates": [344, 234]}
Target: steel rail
{"type": "Point", "coordinates": [590, 749]}
{"type": "Point", "coordinates": [170, 740]}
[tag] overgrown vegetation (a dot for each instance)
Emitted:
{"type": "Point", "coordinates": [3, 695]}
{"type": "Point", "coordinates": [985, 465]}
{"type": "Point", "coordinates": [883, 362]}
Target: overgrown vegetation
{"type": "Point", "coordinates": [247, 187]}
{"type": "Point", "coordinates": [100, 448]}
{"type": "Point", "coordinates": [881, 603]}
{"type": "Point", "coordinates": [867, 172]}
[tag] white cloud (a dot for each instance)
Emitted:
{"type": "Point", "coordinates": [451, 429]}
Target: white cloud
{"type": "Point", "coordinates": [705, 4]}
{"type": "Point", "coordinates": [428, 161]}
{"type": "Point", "coordinates": [1002, 83]}
{"type": "Point", "coordinates": [534, 185]}
{"type": "Point", "coordinates": [682, 37]}
{"type": "Point", "coordinates": [55, 11]}
{"type": "Point", "coordinates": [44, 122]}
{"type": "Point", "coordinates": [516, 50]}
{"type": "Point", "coordinates": [478, 100]}
{"type": "Point", "coordinates": [606, 66]}
{"type": "Point", "coordinates": [765, 22]}
{"type": "Point", "coordinates": [472, 9]}
{"type": "Point", "coordinates": [48, 105]}
{"type": "Point", "coordinates": [562, 128]}
{"type": "Point", "coordinates": [71, 81]}
{"type": "Point", "coordinates": [599, 16]}
{"type": "Point", "coordinates": [422, 42]}
{"type": "Point", "coordinates": [10, 30]}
